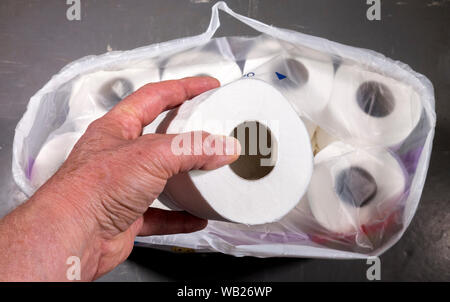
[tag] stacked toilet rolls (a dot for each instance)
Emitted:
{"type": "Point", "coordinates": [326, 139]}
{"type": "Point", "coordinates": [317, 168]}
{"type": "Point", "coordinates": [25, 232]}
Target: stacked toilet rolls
{"type": "Point", "coordinates": [303, 76]}
{"type": "Point", "coordinates": [95, 94]}
{"type": "Point", "coordinates": [352, 116]}
{"type": "Point", "coordinates": [262, 50]}
{"type": "Point", "coordinates": [357, 186]}
{"type": "Point", "coordinates": [92, 95]}
{"type": "Point", "coordinates": [231, 193]}
{"type": "Point", "coordinates": [204, 61]}
{"type": "Point", "coordinates": [370, 112]}
{"type": "Point", "coordinates": [363, 108]}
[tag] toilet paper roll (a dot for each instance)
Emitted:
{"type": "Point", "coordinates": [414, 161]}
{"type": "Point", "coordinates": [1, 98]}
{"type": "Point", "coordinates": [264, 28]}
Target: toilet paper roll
{"type": "Point", "coordinates": [263, 49]}
{"type": "Point", "coordinates": [304, 77]}
{"type": "Point", "coordinates": [200, 62]}
{"type": "Point", "coordinates": [153, 126]}
{"type": "Point", "coordinates": [323, 138]}
{"type": "Point", "coordinates": [224, 195]}
{"type": "Point", "coordinates": [351, 188]}
{"type": "Point", "coordinates": [367, 108]}
{"type": "Point", "coordinates": [301, 219]}
{"type": "Point", "coordinates": [51, 156]}
{"type": "Point", "coordinates": [149, 129]}
{"type": "Point", "coordinates": [95, 94]}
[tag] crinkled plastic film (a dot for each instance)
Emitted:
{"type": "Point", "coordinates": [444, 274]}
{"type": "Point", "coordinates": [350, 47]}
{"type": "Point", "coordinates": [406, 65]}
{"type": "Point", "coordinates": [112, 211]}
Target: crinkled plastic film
{"type": "Point", "coordinates": [341, 141]}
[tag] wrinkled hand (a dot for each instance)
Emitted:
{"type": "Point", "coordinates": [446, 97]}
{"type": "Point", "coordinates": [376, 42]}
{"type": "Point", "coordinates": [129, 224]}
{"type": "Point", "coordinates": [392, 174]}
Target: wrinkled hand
{"type": "Point", "coordinates": [113, 174]}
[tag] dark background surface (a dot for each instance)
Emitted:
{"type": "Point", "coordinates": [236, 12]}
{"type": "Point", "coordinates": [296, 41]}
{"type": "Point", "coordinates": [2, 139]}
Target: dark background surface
{"type": "Point", "coordinates": [36, 41]}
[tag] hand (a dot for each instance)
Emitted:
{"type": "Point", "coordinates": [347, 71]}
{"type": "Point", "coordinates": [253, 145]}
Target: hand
{"type": "Point", "coordinates": [98, 201]}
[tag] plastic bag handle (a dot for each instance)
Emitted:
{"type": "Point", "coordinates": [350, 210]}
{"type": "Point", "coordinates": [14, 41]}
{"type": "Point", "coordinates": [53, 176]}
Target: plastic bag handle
{"type": "Point", "coordinates": [214, 23]}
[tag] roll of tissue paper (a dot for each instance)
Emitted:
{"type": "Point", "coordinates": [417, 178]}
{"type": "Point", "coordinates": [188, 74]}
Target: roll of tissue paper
{"type": "Point", "coordinates": [95, 94]}
{"type": "Point", "coordinates": [301, 220]}
{"type": "Point", "coordinates": [200, 62]}
{"type": "Point", "coordinates": [351, 187]}
{"type": "Point", "coordinates": [239, 192]}
{"type": "Point", "coordinates": [51, 156]}
{"type": "Point", "coordinates": [367, 108]}
{"type": "Point", "coordinates": [153, 126]}
{"type": "Point", "coordinates": [263, 49]}
{"type": "Point", "coordinates": [149, 129]}
{"type": "Point", "coordinates": [304, 77]}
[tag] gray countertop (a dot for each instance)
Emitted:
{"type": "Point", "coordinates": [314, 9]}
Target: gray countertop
{"type": "Point", "coordinates": [37, 40]}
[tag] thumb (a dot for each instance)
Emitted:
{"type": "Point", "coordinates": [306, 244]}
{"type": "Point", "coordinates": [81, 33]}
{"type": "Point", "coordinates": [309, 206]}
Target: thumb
{"type": "Point", "coordinates": [198, 150]}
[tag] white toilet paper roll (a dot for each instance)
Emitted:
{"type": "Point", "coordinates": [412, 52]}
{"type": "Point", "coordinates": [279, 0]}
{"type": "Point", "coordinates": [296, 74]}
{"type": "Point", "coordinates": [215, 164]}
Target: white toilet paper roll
{"type": "Point", "coordinates": [224, 195]}
{"type": "Point", "coordinates": [153, 126]}
{"type": "Point", "coordinates": [95, 94]}
{"type": "Point", "coordinates": [51, 156]}
{"type": "Point", "coordinates": [264, 48]}
{"type": "Point", "coordinates": [301, 220]}
{"type": "Point", "coordinates": [149, 129]}
{"type": "Point", "coordinates": [200, 62]}
{"type": "Point", "coordinates": [367, 108]}
{"type": "Point", "coordinates": [304, 77]}
{"type": "Point", "coordinates": [323, 138]}
{"type": "Point", "coordinates": [354, 187]}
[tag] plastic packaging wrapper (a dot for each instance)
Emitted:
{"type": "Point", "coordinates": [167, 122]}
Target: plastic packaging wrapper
{"type": "Point", "coordinates": [370, 120]}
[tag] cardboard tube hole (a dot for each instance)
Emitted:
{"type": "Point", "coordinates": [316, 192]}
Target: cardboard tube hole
{"type": "Point", "coordinates": [258, 150]}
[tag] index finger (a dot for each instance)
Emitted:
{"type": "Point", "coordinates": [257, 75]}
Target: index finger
{"type": "Point", "coordinates": [140, 108]}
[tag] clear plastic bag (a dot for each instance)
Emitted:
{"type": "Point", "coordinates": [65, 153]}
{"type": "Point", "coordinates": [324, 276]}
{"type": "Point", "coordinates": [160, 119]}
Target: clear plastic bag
{"type": "Point", "coordinates": [354, 144]}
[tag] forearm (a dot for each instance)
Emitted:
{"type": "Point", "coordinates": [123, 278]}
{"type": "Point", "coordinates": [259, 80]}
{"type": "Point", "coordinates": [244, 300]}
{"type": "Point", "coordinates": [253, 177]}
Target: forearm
{"type": "Point", "coordinates": [39, 237]}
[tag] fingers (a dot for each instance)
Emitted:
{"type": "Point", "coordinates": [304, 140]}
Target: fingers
{"type": "Point", "coordinates": [162, 222]}
{"type": "Point", "coordinates": [139, 109]}
{"type": "Point", "coordinates": [176, 153]}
